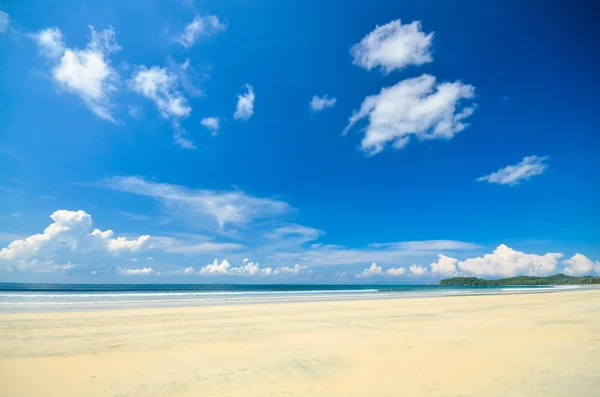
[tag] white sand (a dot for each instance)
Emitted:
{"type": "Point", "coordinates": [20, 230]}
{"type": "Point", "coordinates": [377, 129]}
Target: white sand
{"type": "Point", "coordinates": [516, 345]}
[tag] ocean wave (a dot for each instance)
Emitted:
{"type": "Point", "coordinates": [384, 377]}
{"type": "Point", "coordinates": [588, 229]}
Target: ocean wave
{"type": "Point", "coordinates": [68, 295]}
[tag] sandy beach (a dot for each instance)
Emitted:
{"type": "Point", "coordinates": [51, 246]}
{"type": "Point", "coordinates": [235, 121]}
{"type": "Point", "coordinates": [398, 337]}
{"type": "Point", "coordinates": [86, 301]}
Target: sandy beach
{"type": "Point", "coordinates": [513, 345]}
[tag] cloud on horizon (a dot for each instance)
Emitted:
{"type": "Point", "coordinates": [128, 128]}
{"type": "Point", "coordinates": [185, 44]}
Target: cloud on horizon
{"type": "Point", "coordinates": [502, 262]}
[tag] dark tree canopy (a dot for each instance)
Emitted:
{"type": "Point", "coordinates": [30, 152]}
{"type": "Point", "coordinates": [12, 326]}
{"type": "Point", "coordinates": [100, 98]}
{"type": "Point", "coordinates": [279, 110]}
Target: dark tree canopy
{"type": "Point", "coordinates": [557, 279]}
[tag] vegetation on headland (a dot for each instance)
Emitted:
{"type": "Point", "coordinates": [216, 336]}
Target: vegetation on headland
{"type": "Point", "coordinates": [557, 279]}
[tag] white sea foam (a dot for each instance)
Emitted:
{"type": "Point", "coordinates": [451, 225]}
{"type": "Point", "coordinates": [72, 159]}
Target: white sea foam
{"type": "Point", "coordinates": [68, 295]}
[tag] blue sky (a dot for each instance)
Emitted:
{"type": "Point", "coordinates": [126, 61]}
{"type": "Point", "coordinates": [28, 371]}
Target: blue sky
{"type": "Point", "coordinates": [326, 142]}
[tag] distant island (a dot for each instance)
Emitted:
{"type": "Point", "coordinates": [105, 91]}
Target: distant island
{"type": "Point", "coordinates": [557, 279]}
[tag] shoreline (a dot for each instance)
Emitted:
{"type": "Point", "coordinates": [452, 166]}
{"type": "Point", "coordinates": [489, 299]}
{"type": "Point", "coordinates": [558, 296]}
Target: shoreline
{"type": "Point", "coordinates": [42, 307]}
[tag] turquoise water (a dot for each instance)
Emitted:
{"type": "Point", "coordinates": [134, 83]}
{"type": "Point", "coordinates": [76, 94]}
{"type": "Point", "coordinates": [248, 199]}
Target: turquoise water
{"type": "Point", "coordinates": [35, 297]}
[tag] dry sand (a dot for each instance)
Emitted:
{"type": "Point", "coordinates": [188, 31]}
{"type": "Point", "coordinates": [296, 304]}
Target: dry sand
{"type": "Point", "coordinates": [516, 345]}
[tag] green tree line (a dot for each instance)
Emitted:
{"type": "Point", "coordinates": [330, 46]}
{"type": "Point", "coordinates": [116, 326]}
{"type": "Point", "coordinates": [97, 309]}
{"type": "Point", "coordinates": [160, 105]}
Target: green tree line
{"type": "Point", "coordinates": [557, 279]}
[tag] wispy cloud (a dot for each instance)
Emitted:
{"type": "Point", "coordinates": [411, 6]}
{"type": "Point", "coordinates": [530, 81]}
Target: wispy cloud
{"type": "Point", "coordinates": [223, 207]}
{"type": "Point", "coordinates": [134, 217]}
{"type": "Point", "coordinates": [201, 26]}
{"type": "Point", "coordinates": [512, 175]}
{"type": "Point", "coordinates": [4, 21]}
{"type": "Point", "coordinates": [162, 87]}
{"type": "Point", "coordinates": [193, 244]}
{"type": "Point", "coordinates": [385, 253]}
{"type": "Point", "coordinates": [298, 232]}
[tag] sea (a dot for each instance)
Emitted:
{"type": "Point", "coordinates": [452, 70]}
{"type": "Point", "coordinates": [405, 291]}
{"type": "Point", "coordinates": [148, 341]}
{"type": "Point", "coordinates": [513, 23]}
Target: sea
{"type": "Point", "coordinates": [77, 297]}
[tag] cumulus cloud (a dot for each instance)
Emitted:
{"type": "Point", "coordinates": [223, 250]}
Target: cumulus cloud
{"type": "Point", "coordinates": [246, 269]}
{"type": "Point", "coordinates": [211, 123]}
{"type": "Point", "coordinates": [580, 265]}
{"type": "Point", "coordinates": [506, 262]}
{"type": "Point", "coordinates": [514, 174]}
{"type": "Point", "coordinates": [4, 21]}
{"type": "Point", "coordinates": [417, 271]}
{"type": "Point", "coordinates": [123, 244]}
{"type": "Point", "coordinates": [375, 270]}
{"type": "Point", "coordinates": [69, 238]}
{"type": "Point", "coordinates": [136, 272]}
{"type": "Point", "coordinates": [393, 46]}
{"type": "Point", "coordinates": [319, 103]}
{"type": "Point", "coordinates": [371, 271]}
{"type": "Point", "coordinates": [417, 106]}
{"type": "Point", "coordinates": [86, 72]}
{"type": "Point", "coordinates": [245, 105]}
{"type": "Point", "coordinates": [224, 207]}
{"type": "Point", "coordinates": [445, 266]}
{"type": "Point", "coordinates": [201, 26]}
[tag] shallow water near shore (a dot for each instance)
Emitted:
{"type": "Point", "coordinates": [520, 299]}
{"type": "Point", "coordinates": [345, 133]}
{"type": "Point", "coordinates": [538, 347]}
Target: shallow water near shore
{"type": "Point", "coordinates": [59, 297]}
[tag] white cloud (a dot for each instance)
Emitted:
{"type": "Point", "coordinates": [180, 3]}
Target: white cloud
{"type": "Point", "coordinates": [383, 253]}
{"type": "Point", "coordinates": [399, 271]}
{"type": "Point", "coordinates": [320, 103]}
{"type": "Point", "coordinates": [427, 245]}
{"type": "Point", "coordinates": [245, 105]}
{"type": "Point", "coordinates": [136, 272]}
{"type": "Point", "coordinates": [201, 26]}
{"type": "Point", "coordinates": [506, 262]}
{"type": "Point", "coordinates": [247, 269]}
{"type": "Point", "coordinates": [417, 106]}
{"type": "Point", "coordinates": [445, 266]}
{"type": "Point", "coordinates": [375, 270]}
{"type": "Point", "coordinates": [580, 265]}
{"type": "Point", "coordinates": [4, 21]}
{"type": "Point", "coordinates": [162, 87]}
{"type": "Point", "coordinates": [393, 46]}
{"type": "Point", "coordinates": [67, 239]}
{"type": "Point", "coordinates": [503, 262]}
{"type": "Point", "coordinates": [211, 123]}
{"type": "Point", "coordinates": [179, 136]}
{"type": "Point", "coordinates": [50, 42]}
{"type": "Point", "coordinates": [301, 233]}
{"type": "Point", "coordinates": [86, 72]}
{"type": "Point", "coordinates": [417, 271]}
{"type": "Point", "coordinates": [514, 174]}
{"type": "Point", "coordinates": [224, 207]}
{"type": "Point", "coordinates": [296, 270]}
{"type": "Point", "coordinates": [123, 244]}
{"type": "Point", "coordinates": [209, 247]}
